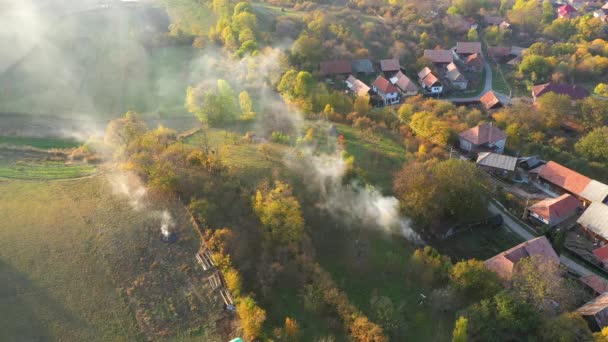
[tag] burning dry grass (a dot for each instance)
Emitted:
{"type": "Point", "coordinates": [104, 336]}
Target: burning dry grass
{"type": "Point", "coordinates": [79, 264]}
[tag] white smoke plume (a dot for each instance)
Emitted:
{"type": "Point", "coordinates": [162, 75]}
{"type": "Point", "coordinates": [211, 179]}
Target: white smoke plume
{"type": "Point", "coordinates": [352, 202]}
{"type": "Point", "coordinates": [131, 187]}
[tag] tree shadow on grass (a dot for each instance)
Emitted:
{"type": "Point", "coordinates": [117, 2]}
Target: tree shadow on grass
{"type": "Point", "coordinates": [26, 309]}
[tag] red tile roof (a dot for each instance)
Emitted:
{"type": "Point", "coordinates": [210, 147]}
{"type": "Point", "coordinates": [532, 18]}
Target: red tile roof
{"type": "Point", "coordinates": [384, 85]}
{"type": "Point", "coordinates": [336, 67]}
{"type": "Point", "coordinates": [356, 86]}
{"type": "Point", "coordinates": [556, 209]}
{"type": "Point", "coordinates": [468, 47]}
{"type": "Point", "coordinates": [429, 80]}
{"type": "Point", "coordinates": [474, 60]}
{"type": "Point", "coordinates": [503, 263]}
{"type": "Point", "coordinates": [563, 177]}
{"type": "Point", "coordinates": [483, 134]}
{"type": "Point", "coordinates": [596, 283]}
{"type": "Point", "coordinates": [404, 83]}
{"type": "Point", "coordinates": [566, 10]}
{"type": "Point", "coordinates": [439, 56]}
{"type": "Point", "coordinates": [489, 100]}
{"type": "Point", "coordinates": [601, 253]}
{"type": "Point", "coordinates": [574, 91]}
{"type": "Point", "coordinates": [390, 65]}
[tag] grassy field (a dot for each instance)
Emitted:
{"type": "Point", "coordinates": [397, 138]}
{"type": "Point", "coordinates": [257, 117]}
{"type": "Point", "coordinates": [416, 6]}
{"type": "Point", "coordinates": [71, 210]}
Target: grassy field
{"type": "Point", "coordinates": [44, 170]}
{"type": "Point", "coordinates": [75, 265]}
{"type": "Point", "coordinates": [479, 244]}
{"type": "Point", "coordinates": [100, 63]}
{"type": "Point", "coordinates": [43, 143]}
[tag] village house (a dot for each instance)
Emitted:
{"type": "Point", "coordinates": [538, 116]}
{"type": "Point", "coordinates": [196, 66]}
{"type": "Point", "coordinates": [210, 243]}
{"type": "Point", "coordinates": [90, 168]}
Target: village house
{"type": "Point", "coordinates": [601, 254]}
{"type": "Point", "coordinates": [439, 57]}
{"type": "Point", "coordinates": [595, 312]}
{"type": "Point", "coordinates": [529, 163]}
{"type": "Point", "coordinates": [560, 179]}
{"type": "Point", "coordinates": [496, 21]}
{"type": "Point", "coordinates": [595, 284]}
{"type": "Point", "coordinates": [474, 63]}
{"type": "Point", "coordinates": [504, 263]}
{"type": "Point", "coordinates": [465, 49]}
{"type": "Point", "coordinates": [356, 86]}
{"type": "Point", "coordinates": [497, 164]}
{"type": "Point", "coordinates": [389, 66]}
{"type": "Point", "coordinates": [483, 138]}
{"type": "Point", "coordinates": [386, 90]}
{"type": "Point", "coordinates": [595, 192]}
{"type": "Point", "coordinates": [500, 53]}
{"type": "Point", "coordinates": [552, 211]}
{"type": "Point", "coordinates": [336, 68]}
{"type": "Point", "coordinates": [566, 11]}
{"type": "Point", "coordinates": [362, 67]}
{"type": "Point", "coordinates": [490, 101]}
{"type": "Point", "coordinates": [575, 92]}
{"type": "Point", "coordinates": [455, 77]}
{"type": "Point", "coordinates": [404, 84]}
{"type": "Point", "coordinates": [594, 221]}
{"type": "Point", "coordinates": [429, 81]}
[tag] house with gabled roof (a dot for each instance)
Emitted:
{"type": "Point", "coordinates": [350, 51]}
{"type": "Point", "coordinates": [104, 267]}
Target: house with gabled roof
{"type": "Point", "coordinates": [575, 92]}
{"type": "Point", "coordinates": [595, 312]}
{"type": "Point", "coordinates": [465, 49]}
{"type": "Point", "coordinates": [336, 67]}
{"type": "Point", "coordinates": [595, 192]}
{"type": "Point", "coordinates": [497, 164]}
{"type": "Point", "coordinates": [455, 77]}
{"type": "Point", "coordinates": [429, 81]}
{"type": "Point", "coordinates": [485, 137]}
{"type": "Point", "coordinates": [404, 84]}
{"type": "Point", "coordinates": [386, 90]}
{"type": "Point", "coordinates": [560, 179]}
{"type": "Point", "coordinates": [566, 11]}
{"type": "Point", "coordinates": [490, 101]}
{"type": "Point", "coordinates": [390, 65]}
{"type": "Point", "coordinates": [362, 66]}
{"type": "Point", "coordinates": [596, 284]}
{"type": "Point", "coordinates": [504, 263]}
{"type": "Point", "coordinates": [439, 57]}
{"type": "Point", "coordinates": [474, 62]}
{"type": "Point", "coordinates": [595, 221]}
{"type": "Point", "coordinates": [601, 254]}
{"type": "Point", "coordinates": [552, 211]}
{"type": "Point", "coordinates": [356, 86]}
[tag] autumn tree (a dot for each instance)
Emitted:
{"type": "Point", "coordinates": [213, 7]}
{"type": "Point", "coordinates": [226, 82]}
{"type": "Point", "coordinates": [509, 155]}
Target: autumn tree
{"type": "Point", "coordinates": [252, 318]}
{"type": "Point", "coordinates": [473, 280]}
{"type": "Point", "coordinates": [212, 105]}
{"type": "Point", "coordinates": [566, 327]}
{"type": "Point", "coordinates": [246, 105]}
{"type": "Point", "coordinates": [430, 127]}
{"type": "Point", "coordinates": [121, 132]}
{"type": "Point", "coordinates": [460, 330]}
{"type": "Point", "coordinates": [362, 105]}
{"type": "Point", "coordinates": [292, 330]}
{"type": "Point", "coordinates": [279, 212]}
{"type": "Point", "coordinates": [540, 282]}
{"type": "Point", "coordinates": [593, 113]}
{"type": "Point", "coordinates": [554, 108]}
{"type": "Point", "coordinates": [363, 330]}
{"type": "Point", "coordinates": [430, 266]}
{"type": "Point", "coordinates": [500, 318]}
{"type": "Point", "coordinates": [594, 145]}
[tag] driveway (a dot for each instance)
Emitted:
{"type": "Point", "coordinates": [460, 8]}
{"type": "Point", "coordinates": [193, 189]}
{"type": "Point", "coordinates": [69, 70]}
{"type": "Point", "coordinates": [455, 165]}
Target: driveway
{"type": "Point", "coordinates": [487, 87]}
{"type": "Point", "coordinates": [522, 232]}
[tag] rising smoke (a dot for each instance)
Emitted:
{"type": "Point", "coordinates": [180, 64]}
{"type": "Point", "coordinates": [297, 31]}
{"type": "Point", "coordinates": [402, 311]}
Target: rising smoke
{"type": "Point", "coordinates": [131, 187]}
{"type": "Point", "coordinates": [353, 203]}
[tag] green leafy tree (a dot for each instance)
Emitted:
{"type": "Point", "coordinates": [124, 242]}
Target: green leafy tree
{"type": "Point", "coordinates": [362, 105]}
{"type": "Point", "coordinates": [548, 12]}
{"type": "Point", "coordinates": [594, 145]}
{"type": "Point", "coordinates": [500, 319]}
{"type": "Point", "coordinates": [246, 105]}
{"type": "Point", "coordinates": [303, 85]}
{"type": "Point", "coordinates": [594, 113]}
{"type": "Point", "coordinates": [460, 330]}
{"type": "Point", "coordinates": [565, 328]}
{"type": "Point", "coordinates": [536, 67]}
{"type": "Point", "coordinates": [472, 35]}
{"type": "Point", "coordinates": [288, 83]}
{"type": "Point", "coordinates": [526, 14]}
{"type": "Point", "coordinates": [554, 108]}
{"type": "Point", "coordinates": [468, 7]}
{"type": "Point", "coordinates": [540, 282]}
{"type": "Point", "coordinates": [473, 280]}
